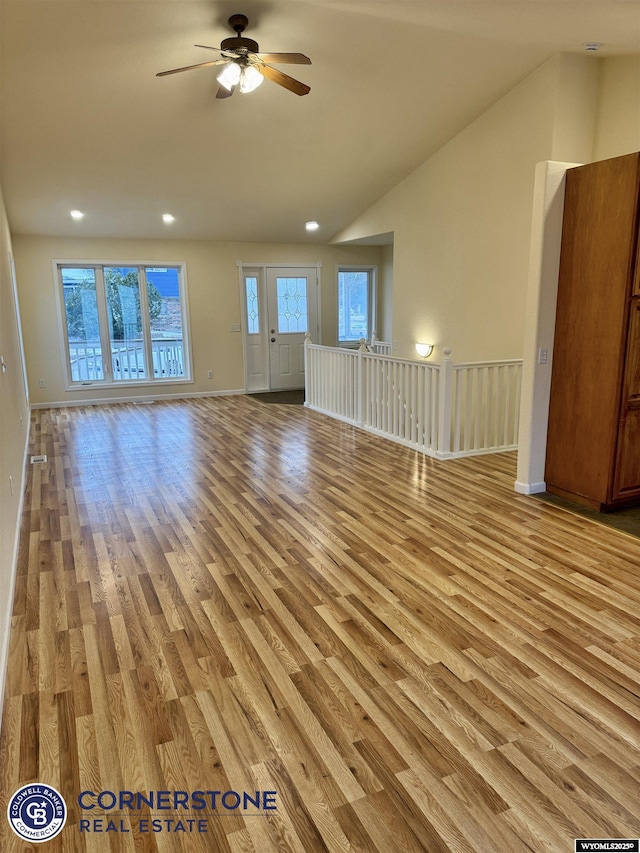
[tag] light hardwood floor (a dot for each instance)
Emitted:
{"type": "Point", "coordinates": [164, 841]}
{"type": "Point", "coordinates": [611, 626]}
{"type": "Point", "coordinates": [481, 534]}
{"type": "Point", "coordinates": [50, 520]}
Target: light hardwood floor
{"type": "Point", "coordinates": [229, 595]}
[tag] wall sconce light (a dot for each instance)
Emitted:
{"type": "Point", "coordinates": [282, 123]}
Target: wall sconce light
{"type": "Point", "coordinates": [424, 350]}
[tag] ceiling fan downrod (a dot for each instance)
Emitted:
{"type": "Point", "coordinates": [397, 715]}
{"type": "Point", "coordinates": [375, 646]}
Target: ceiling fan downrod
{"type": "Point", "coordinates": [238, 23]}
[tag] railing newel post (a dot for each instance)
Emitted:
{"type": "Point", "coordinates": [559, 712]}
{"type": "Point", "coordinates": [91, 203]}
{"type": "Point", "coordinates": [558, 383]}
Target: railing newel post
{"type": "Point", "coordinates": [307, 379]}
{"type": "Point", "coordinates": [445, 398]}
{"type": "Point", "coordinates": [360, 384]}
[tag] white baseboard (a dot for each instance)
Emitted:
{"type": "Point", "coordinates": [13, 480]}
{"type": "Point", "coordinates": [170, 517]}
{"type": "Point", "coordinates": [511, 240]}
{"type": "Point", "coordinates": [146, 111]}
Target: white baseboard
{"type": "Point", "coordinates": [529, 488]}
{"type": "Point", "coordinates": [140, 398]}
{"type": "Point", "coordinates": [8, 604]}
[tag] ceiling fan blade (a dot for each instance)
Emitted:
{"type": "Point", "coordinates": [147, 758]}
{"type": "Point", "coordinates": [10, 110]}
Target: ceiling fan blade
{"type": "Point", "coordinates": [281, 79]}
{"type": "Point", "coordinates": [284, 58]}
{"type": "Point", "coordinates": [190, 67]}
{"type": "Point", "coordinates": [230, 53]}
{"type": "Point", "coordinates": [223, 92]}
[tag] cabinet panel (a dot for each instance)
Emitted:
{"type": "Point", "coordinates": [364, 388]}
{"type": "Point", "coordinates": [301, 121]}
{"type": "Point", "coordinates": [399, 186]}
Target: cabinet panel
{"type": "Point", "coordinates": [631, 393]}
{"type": "Point", "coordinates": [635, 273]}
{"type": "Point", "coordinates": [628, 465]}
{"type": "Point", "coordinates": [627, 476]}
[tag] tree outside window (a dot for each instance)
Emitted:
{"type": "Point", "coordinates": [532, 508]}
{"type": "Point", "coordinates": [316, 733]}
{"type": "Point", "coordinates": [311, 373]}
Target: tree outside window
{"type": "Point", "coordinates": [123, 303]}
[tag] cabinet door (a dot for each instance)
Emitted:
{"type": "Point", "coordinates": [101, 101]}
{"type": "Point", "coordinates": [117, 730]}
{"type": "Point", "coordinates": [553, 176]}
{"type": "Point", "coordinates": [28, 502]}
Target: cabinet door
{"type": "Point", "coordinates": [627, 479]}
{"type": "Point", "coordinates": [627, 473]}
{"type": "Point", "coordinates": [635, 272]}
{"type": "Point", "coordinates": [631, 387]}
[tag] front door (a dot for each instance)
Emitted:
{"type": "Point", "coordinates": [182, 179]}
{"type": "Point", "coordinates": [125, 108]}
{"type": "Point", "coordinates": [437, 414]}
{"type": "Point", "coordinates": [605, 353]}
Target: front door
{"type": "Point", "coordinates": [291, 297]}
{"type": "Point", "coordinates": [281, 307]}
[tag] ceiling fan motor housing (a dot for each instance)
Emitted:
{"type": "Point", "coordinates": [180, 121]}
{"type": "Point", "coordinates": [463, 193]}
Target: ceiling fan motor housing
{"type": "Point", "coordinates": [239, 44]}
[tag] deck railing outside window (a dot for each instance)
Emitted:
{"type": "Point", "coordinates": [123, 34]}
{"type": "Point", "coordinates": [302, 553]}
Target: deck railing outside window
{"type": "Point", "coordinates": [127, 360]}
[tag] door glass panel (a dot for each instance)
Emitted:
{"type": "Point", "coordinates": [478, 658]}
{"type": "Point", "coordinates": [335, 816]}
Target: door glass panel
{"type": "Point", "coordinates": [83, 328]}
{"type": "Point", "coordinates": [165, 321]}
{"type": "Point", "coordinates": [125, 323]}
{"type": "Point", "coordinates": [253, 317]}
{"type": "Point", "coordinates": [292, 305]}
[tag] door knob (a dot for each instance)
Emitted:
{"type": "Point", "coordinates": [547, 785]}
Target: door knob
{"type": "Point", "coordinates": [273, 340]}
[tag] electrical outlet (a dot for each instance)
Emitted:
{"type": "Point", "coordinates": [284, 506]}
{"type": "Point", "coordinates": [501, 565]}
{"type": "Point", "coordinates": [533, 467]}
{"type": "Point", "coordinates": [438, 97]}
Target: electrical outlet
{"type": "Point", "coordinates": [43, 383]}
{"type": "Point", "coordinates": [209, 374]}
{"type": "Point", "coordinates": [543, 354]}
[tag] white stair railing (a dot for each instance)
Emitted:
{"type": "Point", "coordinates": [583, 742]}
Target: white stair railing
{"type": "Point", "coordinates": [485, 406]}
{"type": "Point", "coordinates": [443, 410]}
{"type": "Point", "coordinates": [400, 399]}
{"type": "Point", "coordinates": [331, 380]}
{"type": "Point", "coordinates": [380, 347]}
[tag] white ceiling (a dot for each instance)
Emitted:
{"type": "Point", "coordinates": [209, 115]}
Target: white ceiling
{"type": "Point", "coordinates": [86, 123]}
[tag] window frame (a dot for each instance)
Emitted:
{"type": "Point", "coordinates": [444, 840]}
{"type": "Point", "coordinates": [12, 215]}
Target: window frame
{"type": "Point", "coordinates": [98, 266]}
{"type": "Point", "coordinates": [372, 271]}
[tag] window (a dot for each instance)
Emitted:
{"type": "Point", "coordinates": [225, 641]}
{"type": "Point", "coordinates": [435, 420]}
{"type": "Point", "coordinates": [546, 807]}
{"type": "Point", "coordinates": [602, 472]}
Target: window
{"type": "Point", "coordinates": [356, 301]}
{"type": "Point", "coordinates": [123, 323]}
{"type": "Point", "coordinates": [253, 315]}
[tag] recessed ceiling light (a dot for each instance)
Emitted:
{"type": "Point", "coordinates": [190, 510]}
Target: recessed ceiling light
{"type": "Point", "coordinates": [167, 217]}
{"type": "Point", "coordinates": [312, 225]}
{"type": "Point", "coordinates": [76, 214]}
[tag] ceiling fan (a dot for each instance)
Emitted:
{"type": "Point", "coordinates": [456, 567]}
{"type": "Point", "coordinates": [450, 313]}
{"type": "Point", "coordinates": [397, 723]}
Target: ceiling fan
{"type": "Point", "coordinates": [245, 66]}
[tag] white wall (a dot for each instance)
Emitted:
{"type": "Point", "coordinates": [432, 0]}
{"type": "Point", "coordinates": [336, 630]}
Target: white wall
{"type": "Point", "coordinates": [214, 303]}
{"type": "Point", "coordinates": [462, 220]}
{"type": "Point", "coordinates": [618, 125]}
{"type": "Point", "coordinates": [14, 426]}
{"type": "Point", "coordinates": [544, 264]}
{"type": "Point", "coordinates": [461, 224]}
{"type": "Point", "coordinates": [384, 319]}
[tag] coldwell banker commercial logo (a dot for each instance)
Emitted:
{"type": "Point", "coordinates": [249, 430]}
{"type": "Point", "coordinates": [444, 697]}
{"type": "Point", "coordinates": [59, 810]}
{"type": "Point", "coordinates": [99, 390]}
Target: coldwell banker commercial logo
{"type": "Point", "coordinates": [37, 812]}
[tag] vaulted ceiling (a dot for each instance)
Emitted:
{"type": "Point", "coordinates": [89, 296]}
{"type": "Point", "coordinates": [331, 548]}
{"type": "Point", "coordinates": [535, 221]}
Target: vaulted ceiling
{"type": "Point", "coordinates": [87, 124]}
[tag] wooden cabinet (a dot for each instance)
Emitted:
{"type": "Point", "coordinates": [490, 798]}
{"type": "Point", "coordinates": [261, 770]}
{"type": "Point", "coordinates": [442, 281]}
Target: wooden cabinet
{"type": "Point", "coordinates": [593, 444]}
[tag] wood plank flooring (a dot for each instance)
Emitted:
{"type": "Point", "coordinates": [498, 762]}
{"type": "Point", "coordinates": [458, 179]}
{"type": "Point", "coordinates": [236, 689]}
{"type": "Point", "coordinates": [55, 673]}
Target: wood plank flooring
{"type": "Point", "coordinates": [218, 595]}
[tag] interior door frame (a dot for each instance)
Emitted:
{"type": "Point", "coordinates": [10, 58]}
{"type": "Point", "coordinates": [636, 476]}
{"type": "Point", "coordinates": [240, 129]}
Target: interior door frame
{"type": "Point", "coordinates": [252, 383]}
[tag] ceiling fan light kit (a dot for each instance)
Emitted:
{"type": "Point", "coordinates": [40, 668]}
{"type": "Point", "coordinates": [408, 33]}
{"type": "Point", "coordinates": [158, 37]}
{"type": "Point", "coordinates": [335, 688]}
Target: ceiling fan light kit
{"type": "Point", "coordinates": [244, 67]}
{"type": "Point", "coordinates": [230, 76]}
{"type": "Point", "coordinates": [250, 79]}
